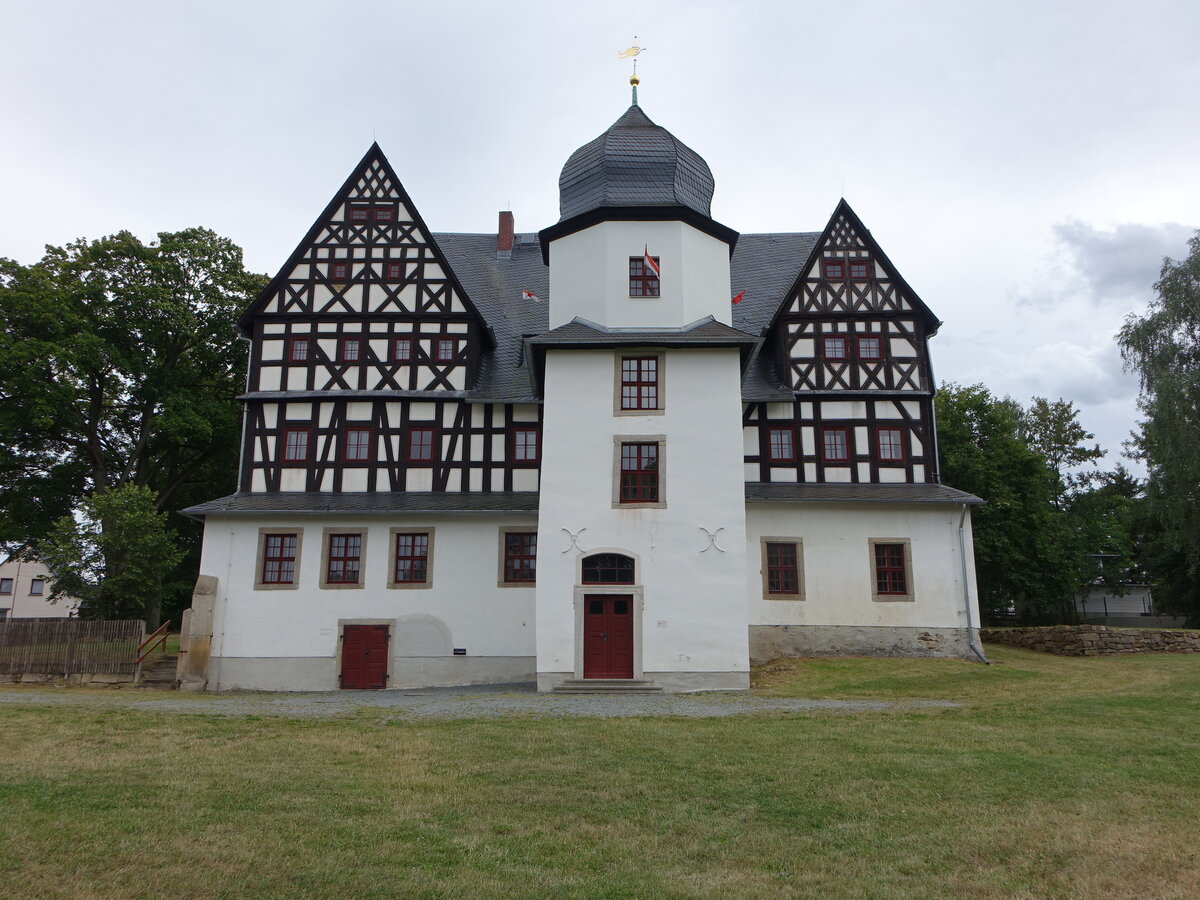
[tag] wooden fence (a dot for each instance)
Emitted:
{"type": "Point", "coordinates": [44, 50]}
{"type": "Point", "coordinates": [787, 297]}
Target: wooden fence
{"type": "Point", "coordinates": [69, 646]}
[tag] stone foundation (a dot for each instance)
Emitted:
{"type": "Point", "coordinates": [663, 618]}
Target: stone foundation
{"type": "Point", "coordinates": [1094, 640]}
{"type": "Point", "coordinates": [95, 678]}
{"type": "Point", "coordinates": [769, 642]}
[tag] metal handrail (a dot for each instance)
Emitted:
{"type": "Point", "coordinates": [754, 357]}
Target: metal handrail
{"type": "Point", "coordinates": [152, 643]}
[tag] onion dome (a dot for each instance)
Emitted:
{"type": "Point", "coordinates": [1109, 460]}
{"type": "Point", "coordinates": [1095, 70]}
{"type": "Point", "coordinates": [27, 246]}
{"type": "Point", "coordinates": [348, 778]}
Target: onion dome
{"type": "Point", "coordinates": [635, 163]}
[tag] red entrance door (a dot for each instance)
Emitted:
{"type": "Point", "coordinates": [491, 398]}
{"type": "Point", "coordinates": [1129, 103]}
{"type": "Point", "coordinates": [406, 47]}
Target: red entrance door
{"type": "Point", "coordinates": [364, 656]}
{"type": "Point", "coordinates": [607, 636]}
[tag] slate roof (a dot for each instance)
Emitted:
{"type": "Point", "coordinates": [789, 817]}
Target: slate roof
{"type": "Point", "coordinates": [324, 503]}
{"type": "Point", "coordinates": [634, 163]}
{"type": "Point", "coordinates": [580, 332]}
{"type": "Point", "coordinates": [763, 265]}
{"type": "Point", "coordinates": [857, 493]}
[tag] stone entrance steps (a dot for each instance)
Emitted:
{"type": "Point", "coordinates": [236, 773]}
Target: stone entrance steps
{"type": "Point", "coordinates": [161, 676]}
{"type": "Point", "coordinates": [607, 686]}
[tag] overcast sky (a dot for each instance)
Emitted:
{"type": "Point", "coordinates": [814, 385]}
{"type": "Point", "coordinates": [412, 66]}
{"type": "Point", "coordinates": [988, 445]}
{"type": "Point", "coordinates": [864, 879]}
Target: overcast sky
{"type": "Point", "coordinates": [1026, 165]}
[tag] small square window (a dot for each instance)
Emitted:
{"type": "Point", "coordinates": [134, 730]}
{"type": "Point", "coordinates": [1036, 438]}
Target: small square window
{"type": "Point", "coordinates": [296, 445]}
{"type": "Point", "coordinates": [520, 557]}
{"type": "Point", "coordinates": [525, 446]}
{"type": "Point", "coordinates": [343, 559]}
{"type": "Point", "coordinates": [299, 350]}
{"type": "Point", "coordinates": [834, 347]}
{"type": "Point", "coordinates": [393, 271]}
{"type": "Point", "coordinates": [420, 445]}
{"type": "Point", "coordinates": [357, 445]}
{"type": "Point", "coordinates": [643, 278]}
{"type": "Point", "coordinates": [402, 349]}
{"type": "Point", "coordinates": [639, 473]}
{"type": "Point", "coordinates": [445, 349]}
{"type": "Point", "coordinates": [279, 559]}
{"type": "Point", "coordinates": [410, 564]}
{"type": "Point", "coordinates": [339, 270]}
{"type": "Point", "coordinates": [891, 444]}
{"type": "Point", "coordinates": [860, 269]}
{"type": "Point", "coordinates": [781, 444]}
{"type": "Point", "coordinates": [833, 269]}
{"type": "Point", "coordinates": [351, 349]}
{"type": "Point", "coordinates": [835, 443]}
{"type": "Point", "coordinates": [6, 585]}
{"type": "Point", "coordinates": [870, 348]}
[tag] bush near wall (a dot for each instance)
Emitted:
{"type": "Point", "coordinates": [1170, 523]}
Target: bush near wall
{"type": "Point", "coordinates": [1094, 640]}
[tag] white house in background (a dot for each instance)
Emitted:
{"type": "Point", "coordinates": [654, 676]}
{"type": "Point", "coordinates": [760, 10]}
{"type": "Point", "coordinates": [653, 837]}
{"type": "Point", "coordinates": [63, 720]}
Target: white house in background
{"type": "Point", "coordinates": [569, 457]}
{"type": "Point", "coordinates": [25, 586]}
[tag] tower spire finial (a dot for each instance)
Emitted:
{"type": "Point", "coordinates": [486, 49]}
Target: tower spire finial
{"type": "Point", "coordinates": [632, 53]}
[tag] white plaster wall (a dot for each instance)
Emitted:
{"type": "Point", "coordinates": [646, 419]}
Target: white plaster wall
{"type": "Point", "coordinates": [694, 617]}
{"type": "Point", "coordinates": [837, 564]}
{"type": "Point", "coordinates": [589, 276]}
{"type": "Point", "coordinates": [464, 604]}
{"type": "Point", "coordinates": [20, 604]}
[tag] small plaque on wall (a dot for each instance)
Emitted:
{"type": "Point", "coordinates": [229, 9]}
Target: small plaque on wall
{"type": "Point", "coordinates": [460, 651]}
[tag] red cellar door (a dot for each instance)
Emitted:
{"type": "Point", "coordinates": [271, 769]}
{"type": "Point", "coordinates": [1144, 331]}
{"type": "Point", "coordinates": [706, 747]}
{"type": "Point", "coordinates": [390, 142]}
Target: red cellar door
{"type": "Point", "coordinates": [364, 657]}
{"type": "Point", "coordinates": [608, 636]}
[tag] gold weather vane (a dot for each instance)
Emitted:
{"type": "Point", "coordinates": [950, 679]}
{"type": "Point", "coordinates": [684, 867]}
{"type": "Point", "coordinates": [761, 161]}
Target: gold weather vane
{"type": "Point", "coordinates": [632, 53]}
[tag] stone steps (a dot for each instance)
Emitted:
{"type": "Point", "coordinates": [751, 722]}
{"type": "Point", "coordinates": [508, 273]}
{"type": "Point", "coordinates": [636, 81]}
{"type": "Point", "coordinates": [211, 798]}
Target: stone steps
{"type": "Point", "coordinates": [161, 675]}
{"type": "Point", "coordinates": [607, 686]}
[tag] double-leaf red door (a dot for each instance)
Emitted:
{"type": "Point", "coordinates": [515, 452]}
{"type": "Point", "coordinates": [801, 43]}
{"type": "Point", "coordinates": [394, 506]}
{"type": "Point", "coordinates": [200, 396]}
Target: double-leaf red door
{"type": "Point", "coordinates": [364, 656]}
{"type": "Point", "coordinates": [608, 636]}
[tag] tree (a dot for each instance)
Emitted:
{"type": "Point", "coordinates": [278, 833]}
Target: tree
{"type": "Point", "coordinates": [119, 365]}
{"type": "Point", "coordinates": [115, 557]}
{"type": "Point", "coordinates": [1026, 553]}
{"type": "Point", "coordinates": [1052, 430]}
{"type": "Point", "coordinates": [1163, 347]}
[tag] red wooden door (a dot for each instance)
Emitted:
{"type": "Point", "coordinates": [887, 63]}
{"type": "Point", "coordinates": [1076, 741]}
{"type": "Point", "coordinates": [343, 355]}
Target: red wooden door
{"type": "Point", "coordinates": [364, 656]}
{"type": "Point", "coordinates": [608, 636]}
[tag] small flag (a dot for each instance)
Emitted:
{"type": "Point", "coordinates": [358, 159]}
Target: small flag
{"type": "Point", "coordinates": [738, 298]}
{"type": "Point", "coordinates": [529, 295]}
{"type": "Point", "coordinates": [650, 263]}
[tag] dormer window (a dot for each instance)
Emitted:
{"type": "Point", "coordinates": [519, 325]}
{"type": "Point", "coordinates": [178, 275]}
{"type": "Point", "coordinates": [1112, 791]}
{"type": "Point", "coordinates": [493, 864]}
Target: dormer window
{"type": "Point", "coordinates": [643, 280]}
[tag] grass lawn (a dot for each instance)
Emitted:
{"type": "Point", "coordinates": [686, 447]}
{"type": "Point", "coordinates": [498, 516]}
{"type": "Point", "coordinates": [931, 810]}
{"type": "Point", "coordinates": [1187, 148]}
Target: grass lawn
{"type": "Point", "coordinates": [1055, 777]}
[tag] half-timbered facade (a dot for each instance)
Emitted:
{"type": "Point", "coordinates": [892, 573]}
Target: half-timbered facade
{"type": "Point", "coordinates": [568, 456]}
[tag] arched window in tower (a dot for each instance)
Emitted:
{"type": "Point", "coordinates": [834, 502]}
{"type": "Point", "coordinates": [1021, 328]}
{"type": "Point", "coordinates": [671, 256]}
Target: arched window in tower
{"type": "Point", "coordinates": [608, 568]}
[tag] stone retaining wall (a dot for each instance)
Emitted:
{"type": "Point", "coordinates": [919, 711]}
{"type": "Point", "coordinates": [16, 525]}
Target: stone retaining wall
{"type": "Point", "coordinates": [1094, 640]}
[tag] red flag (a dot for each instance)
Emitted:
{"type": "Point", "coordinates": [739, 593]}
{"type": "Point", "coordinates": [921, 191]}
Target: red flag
{"type": "Point", "coordinates": [650, 263]}
{"type": "Point", "coordinates": [529, 295]}
{"type": "Point", "coordinates": [738, 298]}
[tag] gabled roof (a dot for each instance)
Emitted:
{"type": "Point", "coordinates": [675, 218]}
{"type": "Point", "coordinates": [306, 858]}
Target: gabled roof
{"type": "Point", "coordinates": [932, 322]}
{"type": "Point", "coordinates": [373, 157]}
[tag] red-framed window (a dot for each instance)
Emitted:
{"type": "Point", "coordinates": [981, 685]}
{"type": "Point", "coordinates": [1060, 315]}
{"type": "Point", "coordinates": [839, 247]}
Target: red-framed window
{"type": "Point", "coordinates": [402, 349]}
{"type": "Point", "coordinates": [859, 269]}
{"type": "Point", "coordinates": [639, 382]}
{"type": "Point", "coordinates": [835, 444]}
{"type": "Point", "coordinates": [520, 557]}
{"type": "Point", "coordinates": [781, 443]}
{"type": "Point", "coordinates": [393, 271]}
{"type": "Point", "coordinates": [297, 445]}
{"type": "Point", "coordinates": [891, 576]}
{"type": "Point", "coordinates": [783, 569]}
{"type": "Point", "coordinates": [279, 559]}
{"type": "Point", "coordinates": [643, 282]}
{"type": "Point", "coordinates": [345, 558]}
{"type": "Point", "coordinates": [411, 564]}
{"type": "Point", "coordinates": [639, 473]}
{"type": "Point", "coordinates": [357, 445]}
{"type": "Point", "coordinates": [420, 445]}
{"type": "Point", "coordinates": [445, 349]}
{"type": "Point", "coordinates": [870, 348]}
{"type": "Point", "coordinates": [339, 270]}
{"type": "Point", "coordinates": [833, 269]}
{"type": "Point", "coordinates": [359, 212]}
{"type": "Point", "coordinates": [383, 212]}
{"type": "Point", "coordinates": [350, 349]}
{"type": "Point", "coordinates": [371, 212]}
{"type": "Point", "coordinates": [526, 445]}
{"type": "Point", "coordinates": [834, 347]}
{"type": "Point", "coordinates": [890, 442]}
{"type": "Point", "coordinates": [299, 350]}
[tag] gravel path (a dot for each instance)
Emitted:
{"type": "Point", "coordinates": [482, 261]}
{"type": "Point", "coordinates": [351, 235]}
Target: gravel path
{"type": "Point", "coordinates": [473, 702]}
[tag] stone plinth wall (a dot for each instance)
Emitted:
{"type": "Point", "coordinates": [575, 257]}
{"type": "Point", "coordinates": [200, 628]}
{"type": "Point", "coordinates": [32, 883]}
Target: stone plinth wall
{"type": "Point", "coordinates": [1094, 640]}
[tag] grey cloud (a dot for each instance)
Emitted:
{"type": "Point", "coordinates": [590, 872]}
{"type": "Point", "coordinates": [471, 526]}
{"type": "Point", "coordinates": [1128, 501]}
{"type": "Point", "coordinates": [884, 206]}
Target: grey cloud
{"type": "Point", "coordinates": [1121, 264]}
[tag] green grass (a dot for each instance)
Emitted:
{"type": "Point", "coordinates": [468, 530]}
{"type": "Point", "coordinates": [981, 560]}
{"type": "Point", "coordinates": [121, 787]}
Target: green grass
{"type": "Point", "coordinates": [1054, 778]}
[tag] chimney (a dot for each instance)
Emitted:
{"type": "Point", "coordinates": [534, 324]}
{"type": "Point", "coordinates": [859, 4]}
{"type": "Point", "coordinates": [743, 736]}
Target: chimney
{"type": "Point", "coordinates": [504, 238]}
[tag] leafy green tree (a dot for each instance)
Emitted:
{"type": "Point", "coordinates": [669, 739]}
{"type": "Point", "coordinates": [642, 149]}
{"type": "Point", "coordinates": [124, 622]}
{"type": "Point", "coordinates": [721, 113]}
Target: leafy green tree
{"type": "Point", "coordinates": [1052, 430]}
{"type": "Point", "coordinates": [119, 365]}
{"type": "Point", "coordinates": [1163, 347]}
{"type": "Point", "coordinates": [115, 556]}
{"type": "Point", "coordinates": [1026, 553]}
